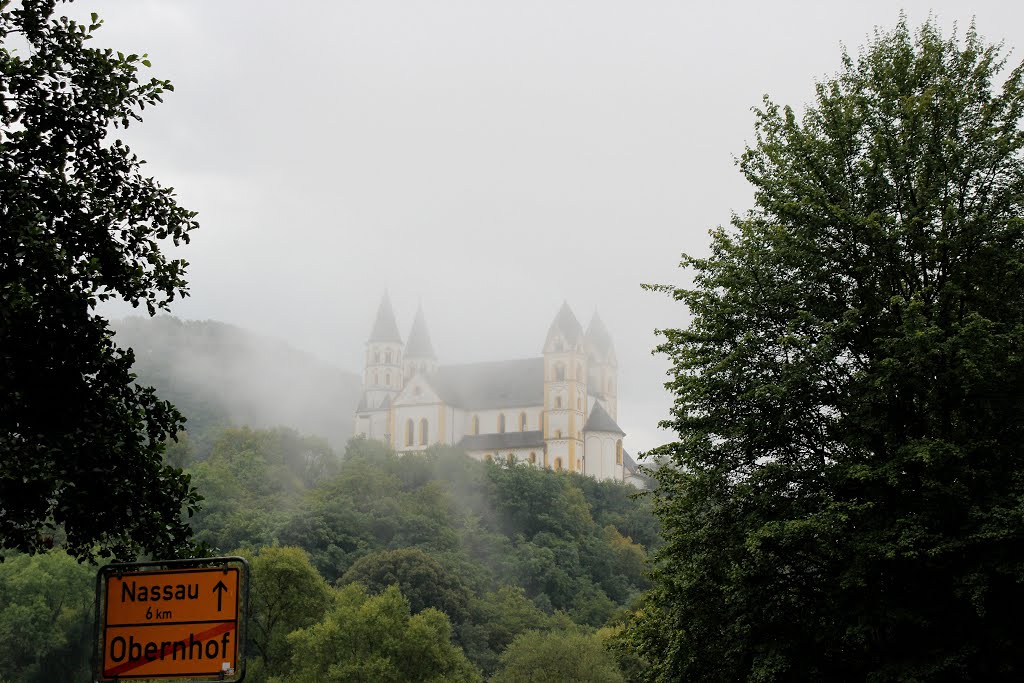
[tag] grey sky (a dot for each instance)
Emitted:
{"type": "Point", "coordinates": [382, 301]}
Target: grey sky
{"type": "Point", "coordinates": [488, 159]}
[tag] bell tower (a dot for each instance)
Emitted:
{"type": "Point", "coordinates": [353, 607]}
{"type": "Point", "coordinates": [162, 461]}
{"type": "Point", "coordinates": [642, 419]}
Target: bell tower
{"type": "Point", "coordinates": [565, 392]}
{"type": "Point", "coordinates": [382, 376]}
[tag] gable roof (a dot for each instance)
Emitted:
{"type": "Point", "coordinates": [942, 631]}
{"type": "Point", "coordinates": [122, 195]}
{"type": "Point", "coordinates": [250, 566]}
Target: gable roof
{"type": "Point", "coordinates": [385, 329]}
{"type": "Point", "coordinates": [419, 344]}
{"type": "Point", "coordinates": [491, 442]}
{"type": "Point", "coordinates": [601, 421]}
{"type": "Point", "coordinates": [498, 384]}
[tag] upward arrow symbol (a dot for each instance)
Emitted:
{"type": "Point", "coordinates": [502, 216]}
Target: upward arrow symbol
{"type": "Point", "coordinates": [219, 590]}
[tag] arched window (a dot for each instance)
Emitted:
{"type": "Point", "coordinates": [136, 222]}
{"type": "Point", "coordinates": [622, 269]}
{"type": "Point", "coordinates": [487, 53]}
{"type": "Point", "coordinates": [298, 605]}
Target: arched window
{"type": "Point", "coordinates": [533, 458]}
{"type": "Point", "coordinates": [501, 423]}
{"type": "Point", "coordinates": [387, 379]}
{"type": "Point", "coordinates": [408, 432]}
{"type": "Point", "coordinates": [558, 433]}
{"type": "Point", "coordinates": [558, 402]}
{"type": "Point", "coordinates": [387, 357]}
{"type": "Point", "coordinates": [489, 458]}
{"type": "Point", "coordinates": [522, 422]}
{"type": "Point", "coordinates": [376, 356]}
{"type": "Point", "coordinates": [618, 452]}
{"type": "Point", "coordinates": [424, 432]}
{"type": "Point", "coordinates": [476, 424]}
{"type": "Point", "coordinates": [559, 372]}
{"type": "Point", "coordinates": [558, 464]}
{"type": "Point", "coordinates": [510, 459]}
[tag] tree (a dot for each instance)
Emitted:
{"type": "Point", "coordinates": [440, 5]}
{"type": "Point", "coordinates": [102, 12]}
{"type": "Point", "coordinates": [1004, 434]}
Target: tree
{"type": "Point", "coordinates": [563, 656]}
{"type": "Point", "coordinates": [374, 638]}
{"type": "Point", "coordinates": [845, 495]}
{"type": "Point", "coordinates": [46, 618]}
{"type": "Point", "coordinates": [287, 594]}
{"type": "Point", "coordinates": [81, 442]}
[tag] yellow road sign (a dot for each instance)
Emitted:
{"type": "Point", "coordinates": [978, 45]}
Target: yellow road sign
{"type": "Point", "coordinates": [163, 622]}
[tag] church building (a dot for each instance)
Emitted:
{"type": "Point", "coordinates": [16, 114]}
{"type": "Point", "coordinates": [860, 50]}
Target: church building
{"type": "Point", "coordinates": [555, 411]}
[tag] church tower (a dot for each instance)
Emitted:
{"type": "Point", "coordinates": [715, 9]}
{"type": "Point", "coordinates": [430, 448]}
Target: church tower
{"type": "Point", "coordinates": [382, 376]}
{"type": "Point", "coordinates": [565, 392]}
{"type": "Point", "coordinates": [602, 379]}
{"type": "Point", "coordinates": [419, 351]}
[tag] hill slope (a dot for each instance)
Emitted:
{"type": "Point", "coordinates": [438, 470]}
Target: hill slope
{"type": "Point", "coordinates": [218, 374]}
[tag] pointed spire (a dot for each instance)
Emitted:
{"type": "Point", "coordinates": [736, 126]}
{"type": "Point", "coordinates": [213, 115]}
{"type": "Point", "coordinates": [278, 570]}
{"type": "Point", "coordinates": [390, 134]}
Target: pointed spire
{"type": "Point", "coordinates": [566, 324]}
{"type": "Point", "coordinates": [384, 328]}
{"type": "Point", "coordinates": [598, 337]}
{"type": "Point", "coordinates": [419, 345]}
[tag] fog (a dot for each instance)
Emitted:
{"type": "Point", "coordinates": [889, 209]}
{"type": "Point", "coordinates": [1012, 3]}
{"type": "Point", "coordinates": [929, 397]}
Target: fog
{"type": "Point", "coordinates": [486, 160]}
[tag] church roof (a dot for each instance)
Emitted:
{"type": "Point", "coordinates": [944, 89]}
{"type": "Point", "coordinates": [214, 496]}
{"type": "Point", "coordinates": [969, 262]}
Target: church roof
{"type": "Point", "coordinates": [598, 336]}
{"type": "Point", "coordinates": [601, 421]}
{"type": "Point", "coordinates": [419, 339]}
{"type": "Point", "coordinates": [363, 406]}
{"type": "Point", "coordinates": [385, 329]}
{"type": "Point", "coordinates": [499, 384]}
{"type": "Point", "coordinates": [566, 324]}
{"type": "Point", "coordinates": [492, 442]}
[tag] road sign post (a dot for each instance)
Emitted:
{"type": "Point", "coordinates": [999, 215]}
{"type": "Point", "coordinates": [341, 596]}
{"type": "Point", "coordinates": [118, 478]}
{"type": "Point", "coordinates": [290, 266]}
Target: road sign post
{"type": "Point", "coordinates": [172, 619]}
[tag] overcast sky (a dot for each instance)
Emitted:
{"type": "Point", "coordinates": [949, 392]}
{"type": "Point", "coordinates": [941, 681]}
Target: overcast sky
{"type": "Point", "coordinates": [489, 160]}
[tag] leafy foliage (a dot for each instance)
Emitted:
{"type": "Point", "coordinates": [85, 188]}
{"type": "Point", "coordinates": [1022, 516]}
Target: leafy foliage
{"type": "Point", "coordinates": [376, 639]}
{"type": "Point", "coordinates": [846, 496]}
{"type": "Point", "coordinates": [46, 618]}
{"type": "Point", "coordinates": [566, 656]}
{"type": "Point", "coordinates": [81, 225]}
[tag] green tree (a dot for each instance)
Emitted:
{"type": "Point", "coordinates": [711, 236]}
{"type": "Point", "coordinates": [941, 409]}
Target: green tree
{"type": "Point", "coordinates": [81, 442]}
{"type": "Point", "coordinates": [46, 618]}
{"type": "Point", "coordinates": [286, 594]}
{"type": "Point", "coordinates": [557, 657]}
{"type": "Point", "coordinates": [845, 496]}
{"type": "Point", "coordinates": [376, 640]}
{"type": "Point", "coordinates": [424, 582]}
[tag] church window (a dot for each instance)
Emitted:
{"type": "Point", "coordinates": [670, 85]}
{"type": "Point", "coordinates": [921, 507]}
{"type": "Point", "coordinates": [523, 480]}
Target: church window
{"type": "Point", "coordinates": [424, 432]}
{"type": "Point", "coordinates": [476, 424]}
{"type": "Point", "coordinates": [376, 356]}
{"type": "Point", "coordinates": [618, 452]}
{"type": "Point", "coordinates": [522, 422]}
{"type": "Point", "coordinates": [510, 459]}
{"type": "Point", "coordinates": [387, 379]}
{"type": "Point", "coordinates": [559, 372]}
{"type": "Point", "coordinates": [501, 423]}
{"type": "Point", "coordinates": [558, 402]}
{"type": "Point", "coordinates": [533, 458]}
{"type": "Point", "coordinates": [408, 432]}
{"type": "Point", "coordinates": [387, 357]}
{"type": "Point", "coordinates": [558, 464]}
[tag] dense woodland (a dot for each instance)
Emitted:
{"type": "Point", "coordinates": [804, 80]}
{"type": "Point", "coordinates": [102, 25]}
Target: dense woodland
{"type": "Point", "coordinates": [376, 566]}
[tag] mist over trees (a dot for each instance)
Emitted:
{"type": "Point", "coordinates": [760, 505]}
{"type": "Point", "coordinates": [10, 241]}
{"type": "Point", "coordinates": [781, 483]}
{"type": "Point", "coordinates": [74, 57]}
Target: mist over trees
{"type": "Point", "coordinates": [845, 501]}
{"type": "Point", "coordinates": [219, 375]}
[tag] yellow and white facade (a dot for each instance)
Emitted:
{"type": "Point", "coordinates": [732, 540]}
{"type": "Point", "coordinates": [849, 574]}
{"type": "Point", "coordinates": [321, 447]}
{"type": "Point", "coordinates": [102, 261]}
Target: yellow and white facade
{"type": "Point", "coordinates": [556, 411]}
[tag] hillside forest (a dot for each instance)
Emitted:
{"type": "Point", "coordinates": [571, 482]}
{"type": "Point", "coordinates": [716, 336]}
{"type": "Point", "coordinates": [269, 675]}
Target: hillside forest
{"type": "Point", "coordinates": [369, 565]}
